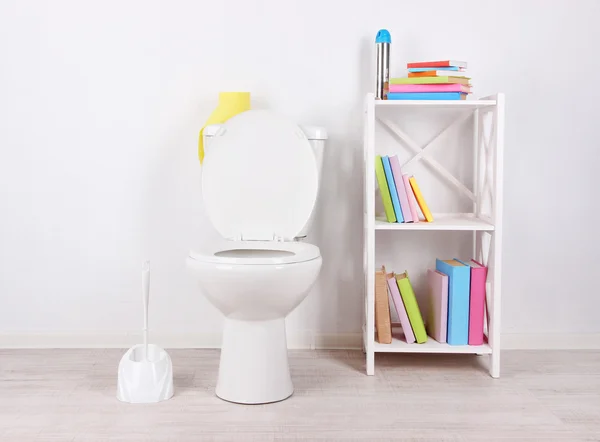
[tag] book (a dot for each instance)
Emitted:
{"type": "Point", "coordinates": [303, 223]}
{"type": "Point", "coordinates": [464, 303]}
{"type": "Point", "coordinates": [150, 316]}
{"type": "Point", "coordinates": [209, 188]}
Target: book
{"type": "Point", "coordinates": [412, 203]}
{"type": "Point", "coordinates": [426, 96]}
{"type": "Point", "coordinates": [441, 63]}
{"type": "Point", "coordinates": [420, 199]}
{"type": "Point", "coordinates": [459, 279]}
{"type": "Point", "coordinates": [429, 80]}
{"type": "Point", "coordinates": [438, 68]}
{"type": "Point", "coordinates": [438, 74]}
{"type": "Point", "coordinates": [395, 88]}
{"type": "Point", "coordinates": [384, 190]}
{"type": "Point", "coordinates": [401, 189]}
{"type": "Point", "coordinates": [392, 186]}
{"type": "Point", "coordinates": [476, 301]}
{"type": "Point", "coordinates": [437, 320]}
{"type": "Point", "coordinates": [409, 336]}
{"type": "Point", "coordinates": [412, 307]}
{"type": "Point", "coordinates": [383, 320]}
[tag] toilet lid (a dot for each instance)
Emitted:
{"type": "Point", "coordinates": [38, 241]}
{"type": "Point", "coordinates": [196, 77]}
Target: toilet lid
{"type": "Point", "coordinates": [259, 178]}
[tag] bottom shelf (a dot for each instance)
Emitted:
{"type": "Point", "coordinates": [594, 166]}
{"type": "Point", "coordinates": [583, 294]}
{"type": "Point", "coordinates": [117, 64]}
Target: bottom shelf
{"type": "Point", "coordinates": [431, 346]}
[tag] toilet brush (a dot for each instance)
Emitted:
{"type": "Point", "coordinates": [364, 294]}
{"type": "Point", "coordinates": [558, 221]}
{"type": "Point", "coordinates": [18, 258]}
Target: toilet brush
{"type": "Point", "coordinates": [145, 371]}
{"type": "Point", "coordinates": [146, 299]}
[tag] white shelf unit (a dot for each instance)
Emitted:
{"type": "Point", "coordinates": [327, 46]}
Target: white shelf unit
{"type": "Point", "coordinates": [485, 221]}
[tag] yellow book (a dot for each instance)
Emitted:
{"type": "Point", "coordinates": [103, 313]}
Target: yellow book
{"type": "Point", "coordinates": [420, 200]}
{"type": "Point", "coordinates": [430, 80]}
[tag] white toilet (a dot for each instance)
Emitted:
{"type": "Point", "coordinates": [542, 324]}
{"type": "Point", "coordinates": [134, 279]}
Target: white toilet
{"type": "Point", "coordinates": [260, 181]}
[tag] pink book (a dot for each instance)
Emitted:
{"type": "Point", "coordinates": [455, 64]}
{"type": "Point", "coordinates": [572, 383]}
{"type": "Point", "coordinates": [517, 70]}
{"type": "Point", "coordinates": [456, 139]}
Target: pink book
{"type": "Point", "coordinates": [430, 87]}
{"type": "Point", "coordinates": [402, 195]}
{"type": "Point", "coordinates": [437, 323]}
{"type": "Point", "coordinates": [399, 304]}
{"type": "Point", "coordinates": [412, 202]}
{"type": "Point", "coordinates": [476, 302]}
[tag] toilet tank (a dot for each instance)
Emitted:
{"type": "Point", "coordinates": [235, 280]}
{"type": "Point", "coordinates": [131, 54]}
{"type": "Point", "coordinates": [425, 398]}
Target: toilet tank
{"type": "Point", "coordinates": [317, 136]}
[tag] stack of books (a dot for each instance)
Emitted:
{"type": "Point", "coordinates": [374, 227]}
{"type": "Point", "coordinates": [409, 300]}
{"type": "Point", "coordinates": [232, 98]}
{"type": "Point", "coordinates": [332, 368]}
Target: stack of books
{"type": "Point", "coordinates": [456, 304]}
{"type": "Point", "coordinates": [400, 193]}
{"type": "Point", "coordinates": [432, 80]}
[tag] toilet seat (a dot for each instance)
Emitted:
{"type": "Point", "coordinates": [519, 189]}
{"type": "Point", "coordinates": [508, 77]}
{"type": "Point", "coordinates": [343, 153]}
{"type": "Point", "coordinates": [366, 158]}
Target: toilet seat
{"type": "Point", "coordinates": [257, 253]}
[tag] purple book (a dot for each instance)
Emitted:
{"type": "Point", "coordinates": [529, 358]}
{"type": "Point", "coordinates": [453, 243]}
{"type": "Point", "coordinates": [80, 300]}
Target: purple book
{"type": "Point", "coordinates": [399, 304]}
{"type": "Point", "coordinates": [412, 202]}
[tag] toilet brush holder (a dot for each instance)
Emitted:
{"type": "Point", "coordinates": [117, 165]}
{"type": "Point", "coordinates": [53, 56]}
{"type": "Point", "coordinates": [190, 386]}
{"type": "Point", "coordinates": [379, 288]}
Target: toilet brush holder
{"type": "Point", "coordinates": [145, 378]}
{"type": "Point", "coordinates": [145, 372]}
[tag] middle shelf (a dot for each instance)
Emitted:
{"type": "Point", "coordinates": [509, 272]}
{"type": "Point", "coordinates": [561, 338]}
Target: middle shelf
{"type": "Point", "coordinates": [448, 221]}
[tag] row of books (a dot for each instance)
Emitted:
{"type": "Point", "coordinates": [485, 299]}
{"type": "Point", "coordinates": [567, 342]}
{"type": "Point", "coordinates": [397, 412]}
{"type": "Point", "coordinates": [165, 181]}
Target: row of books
{"type": "Point", "coordinates": [400, 193]}
{"type": "Point", "coordinates": [432, 80]}
{"type": "Point", "coordinates": [456, 304]}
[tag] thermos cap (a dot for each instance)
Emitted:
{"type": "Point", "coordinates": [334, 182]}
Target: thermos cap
{"type": "Point", "coordinates": [383, 36]}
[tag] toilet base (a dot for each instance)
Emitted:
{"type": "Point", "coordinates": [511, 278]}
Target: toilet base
{"type": "Point", "coordinates": [254, 365]}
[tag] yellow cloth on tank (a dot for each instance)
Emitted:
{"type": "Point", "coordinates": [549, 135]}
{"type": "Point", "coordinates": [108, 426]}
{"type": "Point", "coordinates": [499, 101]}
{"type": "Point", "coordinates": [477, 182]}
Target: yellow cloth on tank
{"type": "Point", "coordinates": [230, 104]}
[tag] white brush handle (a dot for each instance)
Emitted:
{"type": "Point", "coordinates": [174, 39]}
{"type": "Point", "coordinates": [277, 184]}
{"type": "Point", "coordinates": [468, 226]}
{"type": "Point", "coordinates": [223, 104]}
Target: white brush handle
{"type": "Point", "coordinates": [146, 300]}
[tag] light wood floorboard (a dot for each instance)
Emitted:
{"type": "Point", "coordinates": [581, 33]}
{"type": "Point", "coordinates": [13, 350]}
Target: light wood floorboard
{"type": "Point", "coordinates": [69, 395]}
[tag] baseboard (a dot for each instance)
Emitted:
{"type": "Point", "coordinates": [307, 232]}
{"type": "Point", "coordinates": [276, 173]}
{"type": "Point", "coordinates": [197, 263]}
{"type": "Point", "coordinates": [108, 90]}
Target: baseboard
{"type": "Point", "coordinates": [534, 341]}
{"type": "Point", "coordinates": [296, 340]}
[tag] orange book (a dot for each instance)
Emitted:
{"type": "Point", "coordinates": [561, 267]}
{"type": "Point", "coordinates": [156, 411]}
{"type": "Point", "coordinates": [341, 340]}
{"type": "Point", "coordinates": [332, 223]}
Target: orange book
{"type": "Point", "coordinates": [420, 200]}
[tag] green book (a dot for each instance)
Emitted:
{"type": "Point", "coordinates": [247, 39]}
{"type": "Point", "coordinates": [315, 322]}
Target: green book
{"type": "Point", "coordinates": [430, 80]}
{"type": "Point", "coordinates": [384, 190]}
{"type": "Point", "coordinates": [412, 307]}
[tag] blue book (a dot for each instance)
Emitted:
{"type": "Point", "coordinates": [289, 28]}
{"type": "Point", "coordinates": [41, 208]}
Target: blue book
{"type": "Point", "coordinates": [392, 185]}
{"type": "Point", "coordinates": [426, 96]}
{"type": "Point", "coordinates": [437, 68]}
{"type": "Point", "coordinates": [459, 289]}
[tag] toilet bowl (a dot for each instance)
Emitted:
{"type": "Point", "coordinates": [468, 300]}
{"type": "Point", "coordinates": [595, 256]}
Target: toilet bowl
{"type": "Point", "coordinates": [260, 183]}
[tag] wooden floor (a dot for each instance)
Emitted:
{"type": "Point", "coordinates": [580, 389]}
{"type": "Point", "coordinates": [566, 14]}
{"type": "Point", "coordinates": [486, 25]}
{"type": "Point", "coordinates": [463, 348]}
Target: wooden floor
{"type": "Point", "coordinates": [69, 395]}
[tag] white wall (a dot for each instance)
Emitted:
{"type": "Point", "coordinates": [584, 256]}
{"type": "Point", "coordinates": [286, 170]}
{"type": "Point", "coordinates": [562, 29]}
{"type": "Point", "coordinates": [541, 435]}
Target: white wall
{"type": "Point", "coordinates": [100, 107]}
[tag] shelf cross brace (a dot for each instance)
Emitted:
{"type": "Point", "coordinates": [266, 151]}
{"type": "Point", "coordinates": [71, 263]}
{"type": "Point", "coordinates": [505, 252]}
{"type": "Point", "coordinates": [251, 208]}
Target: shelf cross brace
{"type": "Point", "coordinates": [422, 154]}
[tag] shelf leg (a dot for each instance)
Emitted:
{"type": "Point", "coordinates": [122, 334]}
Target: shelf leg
{"type": "Point", "coordinates": [498, 161]}
{"type": "Point", "coordinates": [370, 363]}
{"type": "Point", "coordinates": [369, 237]}
{"type": "Point", "coordinates": [495, 364]}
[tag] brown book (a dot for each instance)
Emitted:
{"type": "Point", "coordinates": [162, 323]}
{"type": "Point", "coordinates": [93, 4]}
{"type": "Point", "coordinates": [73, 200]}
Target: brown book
{"type": "Point", "coordinates": [383, 321]}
